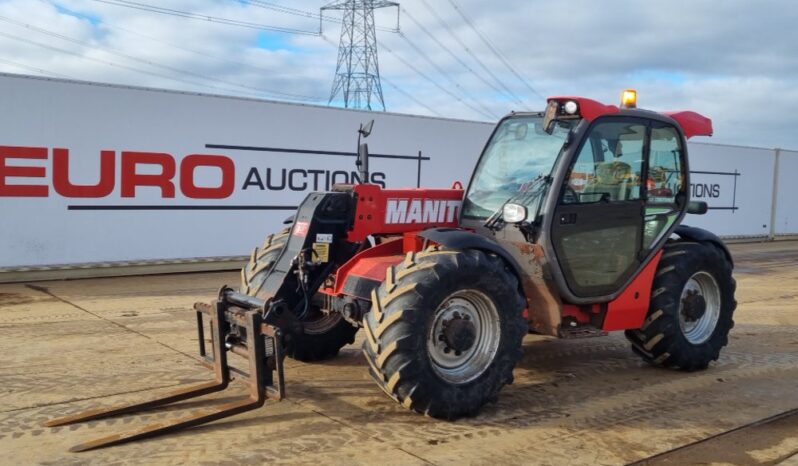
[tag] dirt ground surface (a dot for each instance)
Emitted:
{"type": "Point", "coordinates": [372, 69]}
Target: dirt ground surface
{"type": "Point", "coordinates": [67, 346]}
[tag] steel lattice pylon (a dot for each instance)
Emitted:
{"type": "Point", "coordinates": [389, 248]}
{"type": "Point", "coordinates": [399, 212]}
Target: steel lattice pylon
{"type": "Point", "coordinates": [357, 75]}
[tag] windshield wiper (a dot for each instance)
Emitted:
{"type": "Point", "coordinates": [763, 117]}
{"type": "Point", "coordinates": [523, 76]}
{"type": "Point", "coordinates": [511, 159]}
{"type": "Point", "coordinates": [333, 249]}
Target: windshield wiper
{"type": "Point", "coordinates": [496, 216]}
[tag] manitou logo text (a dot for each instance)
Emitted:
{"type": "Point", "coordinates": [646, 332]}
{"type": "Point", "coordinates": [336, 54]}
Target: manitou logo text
{"type": "Point", "coordinates": [421, 211]}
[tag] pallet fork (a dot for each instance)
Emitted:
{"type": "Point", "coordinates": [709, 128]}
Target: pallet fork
{"type": "Point", "coordinates": [262, 342]}
{"type": "Point", "coordinates": [251, 327]}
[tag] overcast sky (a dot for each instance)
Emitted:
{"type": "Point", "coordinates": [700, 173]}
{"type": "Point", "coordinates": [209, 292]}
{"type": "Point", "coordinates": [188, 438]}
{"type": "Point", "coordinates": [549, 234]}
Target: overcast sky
{"type": "Point", "coordinates": [735, 61]}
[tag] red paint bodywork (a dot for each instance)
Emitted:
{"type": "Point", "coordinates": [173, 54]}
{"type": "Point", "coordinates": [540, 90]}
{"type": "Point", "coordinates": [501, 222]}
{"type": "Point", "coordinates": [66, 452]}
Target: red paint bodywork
{"type": "Point", "coordinates": [582, 314]}
{"type": "Point", "coordinates": [370, 263]}
{"type": "Point", "coordinates": [589, 109]}
{"type": "Point", "coordinates": [372, 219]}
{"type": "Point", "coordinates": [372, 209]}
{"type": "Point", "coordinates": [629, 310]}
{"type": "Point", "coordinates": [692, 123]}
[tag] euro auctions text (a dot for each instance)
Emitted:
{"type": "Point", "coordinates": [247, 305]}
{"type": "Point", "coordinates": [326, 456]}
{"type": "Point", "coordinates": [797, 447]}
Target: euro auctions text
{"type": "Point", "coordinates": [22, 176]}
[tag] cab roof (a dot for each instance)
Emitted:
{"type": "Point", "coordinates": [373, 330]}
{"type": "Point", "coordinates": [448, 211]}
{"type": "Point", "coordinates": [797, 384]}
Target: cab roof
{"type": "Point", "coordinates": [692, 123]}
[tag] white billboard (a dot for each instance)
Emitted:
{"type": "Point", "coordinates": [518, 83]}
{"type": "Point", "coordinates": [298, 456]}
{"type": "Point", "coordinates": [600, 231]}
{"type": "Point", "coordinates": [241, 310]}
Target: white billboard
{"type": "Point", "coordinates": [786, 218]}
{"type": "Point", "coordinates": [98, 173]}
{"type": "Point", "coordinates": [94, 173]}
{"type": "Point", "coordinates": [737, 184]}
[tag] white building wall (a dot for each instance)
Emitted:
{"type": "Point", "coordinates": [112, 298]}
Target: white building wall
{"type": "Point", "coordinates": [786, 218]}
{"type": "Point", "coordinates": [737, 183]}
{"type": "Point", "coordinates": [88, 118]}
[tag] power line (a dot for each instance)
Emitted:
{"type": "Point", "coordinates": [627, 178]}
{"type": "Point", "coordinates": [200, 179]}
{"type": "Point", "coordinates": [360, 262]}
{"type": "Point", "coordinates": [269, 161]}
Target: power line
{"type": "Point", "coordinates": [211, 19]}
{"type": "Point", "coordinates": [495, 50]}
{"type": "Point", "coordinates": [455, 57]}
{"type": "Point", "coordinates": [482, 65]}
{"type": "Point", "coordinates": [303, 13]}
{"type": "Point", "coordinates": [432, 81]}
{"type": "Point", "coordinates": [189, 15]}
{"type": "Point", "coordinates": [33, 68]}
{"type": "Point", "coordinates": [395, 86]}
{"type": "Point", "coordinates": [410, 96]}
{"type": "Point", "coordinates": [362, 60]}
{"type": "Point", "coordinates": [142, 61]}
{"type": "Point", "coordinates": [114, 64]}
{"type": "Point", "coordinates": [280, 8]}
{"type": "Point", "coordinates": [216, 57]}
{"type": "Point", "coordinates": [357, 72]}
{"type": "Point", "coordinates": [485, 111]}
{"type": "Point", "coordinates": [450, 52]}
{"type": "Point", "coordinates": [206, 55]}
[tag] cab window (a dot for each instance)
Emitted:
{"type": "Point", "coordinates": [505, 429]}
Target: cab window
{"type": "Point", "coordinates": [665, 183]}
{"type": "Point", "coordinates": [609, 166]}
{"type": "Point", "coordinates": [665, 166]}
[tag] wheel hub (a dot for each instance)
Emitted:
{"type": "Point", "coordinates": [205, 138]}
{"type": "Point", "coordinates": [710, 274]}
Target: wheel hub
{"type": "Point", "coordinates": [464, 335]}
{"type": "Point", "coordinates": [459, 333]}
{"type": "Point", "coordinates": [699, 307]}
{"type": "Point", "coordinates": [693, 306]}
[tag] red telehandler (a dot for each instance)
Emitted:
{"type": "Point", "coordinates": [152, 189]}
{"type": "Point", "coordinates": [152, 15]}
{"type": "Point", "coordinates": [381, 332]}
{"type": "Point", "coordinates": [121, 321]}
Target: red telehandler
{"type": "Point", "coordinates": [571, 226]}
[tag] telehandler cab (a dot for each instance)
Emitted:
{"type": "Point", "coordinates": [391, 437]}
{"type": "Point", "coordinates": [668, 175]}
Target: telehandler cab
{"type": "Point", "coordinates": [570, 226]}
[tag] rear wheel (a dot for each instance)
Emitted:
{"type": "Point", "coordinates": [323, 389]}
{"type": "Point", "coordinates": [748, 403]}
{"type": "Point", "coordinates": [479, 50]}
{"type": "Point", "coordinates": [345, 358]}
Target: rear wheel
{"type": "Point", "coordinates": [444, 332]}
{"type": "Point", "coordinates": [324, 333]}
{"type": "Point", "coordinates": [691, 308]}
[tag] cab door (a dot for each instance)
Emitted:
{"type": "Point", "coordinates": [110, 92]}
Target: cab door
{"type": "Point", "coordinates": [597, 228]}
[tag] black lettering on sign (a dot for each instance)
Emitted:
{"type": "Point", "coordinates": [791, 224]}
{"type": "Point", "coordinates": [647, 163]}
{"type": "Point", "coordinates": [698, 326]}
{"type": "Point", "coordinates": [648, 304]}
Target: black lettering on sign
{"type": "Point", "coordinates": [705, 190]}
{"type": "Point", "coordinates": [298, 179]}
{"type": "Point", "coordinates": [253, 179]}
{"type": "Point", "coordinates": [378, 178]}
{"type": "Point", "coordinates": [269, 183]}
{"type": "Point", "coordinates": [292, 176]}
{"type": "Point", "coordinates": [316, 174]}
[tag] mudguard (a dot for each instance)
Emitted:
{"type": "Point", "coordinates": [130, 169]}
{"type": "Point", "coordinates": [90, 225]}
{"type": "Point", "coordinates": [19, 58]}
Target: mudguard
{"type": "Point", "coordinates": [700, 235]}
{"type": "Point", "coordinates": [454, 238]}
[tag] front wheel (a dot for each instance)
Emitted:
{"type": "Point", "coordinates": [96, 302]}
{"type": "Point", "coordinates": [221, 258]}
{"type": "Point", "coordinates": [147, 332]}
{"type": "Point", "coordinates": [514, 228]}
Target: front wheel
{"type": "Point", "coordinates": [444, 332]}
{"type": "Point", "coordinates": [691, 308]}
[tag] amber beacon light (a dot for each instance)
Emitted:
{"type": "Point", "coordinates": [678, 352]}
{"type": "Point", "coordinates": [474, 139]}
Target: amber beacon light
{"type": "Point", "coordinates": [629, 98]}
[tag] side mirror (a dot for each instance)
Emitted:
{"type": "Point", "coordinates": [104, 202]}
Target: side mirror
{"type": "Point", "coordinates": [365, 130]}
{"type": "Point", "coordinates": [363, 151]}
{"type": "Point", "coordinates": [514, 213]}
{"type": "Point", "coordinates": [549, 116]}
{"type": "Point", "coordinates": [697, 207]}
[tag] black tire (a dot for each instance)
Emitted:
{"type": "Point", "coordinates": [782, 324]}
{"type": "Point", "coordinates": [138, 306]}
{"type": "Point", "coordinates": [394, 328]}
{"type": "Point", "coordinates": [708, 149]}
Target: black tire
{"type": "Point", "coordinates": [403, 310]}
{"type": "Point", "coordinates": [325, 333]}
{"type": "Point", "coordinates": [662, 341]}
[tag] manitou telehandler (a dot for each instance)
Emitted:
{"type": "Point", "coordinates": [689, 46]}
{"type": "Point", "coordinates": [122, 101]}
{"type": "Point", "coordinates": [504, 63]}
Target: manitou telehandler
{"type": "Point", "coordinates": [570, 226]}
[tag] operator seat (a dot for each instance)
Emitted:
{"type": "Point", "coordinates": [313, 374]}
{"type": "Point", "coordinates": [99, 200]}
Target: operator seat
{"type": "Point", "coordinates": [612, 178]}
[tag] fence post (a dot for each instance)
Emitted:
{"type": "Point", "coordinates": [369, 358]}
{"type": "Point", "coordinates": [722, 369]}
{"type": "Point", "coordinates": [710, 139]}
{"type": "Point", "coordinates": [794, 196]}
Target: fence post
{"type": "Point", "coordinates": [774, 203]}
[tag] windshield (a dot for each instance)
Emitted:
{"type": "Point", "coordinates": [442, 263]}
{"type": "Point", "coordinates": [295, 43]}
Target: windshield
{"type": "Point", "coordinates": [519, 153]}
